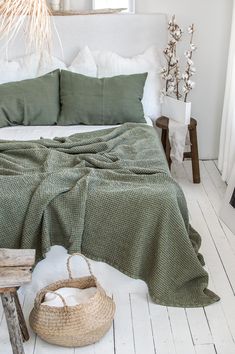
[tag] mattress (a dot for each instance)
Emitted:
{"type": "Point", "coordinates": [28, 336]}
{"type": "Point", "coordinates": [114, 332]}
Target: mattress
{"type": "Point", "coordinates": [50, 132]}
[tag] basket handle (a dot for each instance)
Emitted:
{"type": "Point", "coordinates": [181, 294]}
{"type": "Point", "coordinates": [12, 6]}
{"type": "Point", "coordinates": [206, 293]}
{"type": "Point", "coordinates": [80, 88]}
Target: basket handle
{"type": "Point", "coordinates": [69, 266]}
{"type": "Point", "coordinates": [60, 296]}
{"type": "Point", "coordinates": [39, 297]}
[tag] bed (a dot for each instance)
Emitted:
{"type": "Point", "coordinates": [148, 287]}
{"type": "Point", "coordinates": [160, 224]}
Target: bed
{"type": "Point", "coordinates": [50, 132]}
{"type": "Point", "coordinates": [103, 190]}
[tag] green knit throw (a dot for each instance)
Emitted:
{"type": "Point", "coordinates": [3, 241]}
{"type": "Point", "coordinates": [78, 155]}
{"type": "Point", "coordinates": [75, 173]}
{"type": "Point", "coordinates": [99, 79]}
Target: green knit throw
{"type": "Point", "coordinates": [109, 195]}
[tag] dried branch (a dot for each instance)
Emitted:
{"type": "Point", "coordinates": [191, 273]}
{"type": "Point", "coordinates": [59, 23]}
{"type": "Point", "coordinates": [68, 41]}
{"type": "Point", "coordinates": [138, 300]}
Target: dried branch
{"type": "Point", "coordinates": [190, 70]}
{"type": "Point", "coordinates": [171, 73]}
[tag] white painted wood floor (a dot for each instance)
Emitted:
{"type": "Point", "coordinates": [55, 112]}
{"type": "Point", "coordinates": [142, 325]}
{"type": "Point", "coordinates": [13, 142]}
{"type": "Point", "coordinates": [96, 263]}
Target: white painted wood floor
{"type": "Point", "coordinates": [141, 327]}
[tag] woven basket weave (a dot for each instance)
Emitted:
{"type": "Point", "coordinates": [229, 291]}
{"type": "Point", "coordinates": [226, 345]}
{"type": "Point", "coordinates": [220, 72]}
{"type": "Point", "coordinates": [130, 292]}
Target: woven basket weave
{"type": "Point", "coordinates": [73, 326]}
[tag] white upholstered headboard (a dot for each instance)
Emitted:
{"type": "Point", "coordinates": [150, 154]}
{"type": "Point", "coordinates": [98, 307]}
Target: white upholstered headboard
{"type": "Point", "coordinates": [126, 34]}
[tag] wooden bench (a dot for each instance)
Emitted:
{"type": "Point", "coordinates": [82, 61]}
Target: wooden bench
{"type": "Point", "coordinates": [15, 270]}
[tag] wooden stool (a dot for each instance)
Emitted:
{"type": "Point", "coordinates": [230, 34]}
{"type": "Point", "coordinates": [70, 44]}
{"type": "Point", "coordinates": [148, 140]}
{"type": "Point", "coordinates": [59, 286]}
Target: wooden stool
{"type": "Point", "coordinates": [162, 123]}
{"type": "Point", "coordinates": [15, 270]}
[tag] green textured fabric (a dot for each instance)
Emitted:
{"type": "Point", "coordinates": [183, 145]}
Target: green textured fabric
{"type": "Point", "coordinates": [107, 101]}
{"type": "Point", "coordinates": [30, 102]}
{"type": "Point", "coordinates": [108, 194]}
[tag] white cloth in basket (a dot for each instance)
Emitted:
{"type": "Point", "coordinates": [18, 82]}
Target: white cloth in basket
{"type": "Point", "coordinates": [72, 296]}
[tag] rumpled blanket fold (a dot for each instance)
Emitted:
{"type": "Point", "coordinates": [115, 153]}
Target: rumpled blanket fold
{"type": "Point", "coordinates": [109, 195]}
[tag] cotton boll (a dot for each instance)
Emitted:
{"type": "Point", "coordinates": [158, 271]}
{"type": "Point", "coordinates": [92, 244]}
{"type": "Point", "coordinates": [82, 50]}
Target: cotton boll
{"type": "Point", "coordinates": [172, 42]}
{"type": "Point", "coordinates": [171, 89]}
{"type": "Point", "coordinates": [193, 47]}
{"type": "Point", "coordinates": [163, 70]}
{"type": "Point", "coordinates": [185, 76]}
{"type": "Point", "coordinates": [174, 61]}
{"type": "Point", "coordinates": [187, 54]}
{"type": "Point", "coordinates": [191, 84]}
{"type": "Point", "coordinates": [169, 77]}
{"type": "Point", "coordinates": [177, 34]}
{"type": "Point", "coordinates": [185, 89]}
{"type": "Point", "coordinates": [190, 62]}
{"type": "Point", "coordinates": [193, 70]}
{"type": "Point", "coordinates": [191, 29]}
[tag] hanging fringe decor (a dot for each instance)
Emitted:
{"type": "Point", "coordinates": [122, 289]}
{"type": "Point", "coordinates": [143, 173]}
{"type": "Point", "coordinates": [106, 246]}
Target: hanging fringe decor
{"type": "Point", "coordinates": [33, 16]}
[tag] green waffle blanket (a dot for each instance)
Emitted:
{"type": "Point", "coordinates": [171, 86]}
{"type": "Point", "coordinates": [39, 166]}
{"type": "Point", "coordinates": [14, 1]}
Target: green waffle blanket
{"type": "Point", "coordinates": [109, 195]}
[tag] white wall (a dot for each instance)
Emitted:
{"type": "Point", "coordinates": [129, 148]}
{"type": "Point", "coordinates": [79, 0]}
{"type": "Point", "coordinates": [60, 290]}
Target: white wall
{"type": "Point", "coordinates": [213, 21]}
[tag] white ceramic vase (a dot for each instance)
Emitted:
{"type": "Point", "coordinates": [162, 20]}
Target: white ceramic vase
{"type": "Point", "coordinates": [177, 110]}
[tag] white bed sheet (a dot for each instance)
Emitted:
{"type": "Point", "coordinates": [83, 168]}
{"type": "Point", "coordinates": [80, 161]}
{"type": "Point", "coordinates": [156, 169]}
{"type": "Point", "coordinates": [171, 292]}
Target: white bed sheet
{"type": "Point", "coordinates": [50, 132]}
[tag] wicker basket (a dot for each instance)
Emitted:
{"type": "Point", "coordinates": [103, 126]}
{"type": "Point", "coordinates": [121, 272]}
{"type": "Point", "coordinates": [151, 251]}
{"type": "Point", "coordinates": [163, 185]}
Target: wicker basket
{"type": "Point", "coordinates": [73, 326]}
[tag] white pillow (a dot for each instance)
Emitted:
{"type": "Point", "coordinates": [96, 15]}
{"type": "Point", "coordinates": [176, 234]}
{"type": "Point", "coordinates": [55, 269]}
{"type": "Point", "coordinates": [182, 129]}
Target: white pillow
{"type": "Point", "coordinates": [49, 65]}
{"type": "Point", "coordinates": [111, 64]}
{"type": "Point", "coordinates": [84, 63]}
{"type": "Point", "coordinates": [19, 69]}
{"type": "Point", "coordinates": [27, 67]}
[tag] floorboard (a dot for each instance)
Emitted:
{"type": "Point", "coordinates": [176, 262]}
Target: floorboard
{"type": "Point", "coordinates": [215, 176]}
{"type": "Point", "coordinates": [205, 349]}
{"type": "Point", "coordinates": [181, 331]}
{"type": "Point", "coordinates": [199, 326]}
{"type": "Point", "coordinates": [123, 325]}
{"type": "Point", "coordinates": [86, 350]}
{"type": "Point", "coordinates": [162, 330]}
{"type": "Point", "coordinates": [143, 336]}
{"type": "Point", "coordinates": [106, 344]}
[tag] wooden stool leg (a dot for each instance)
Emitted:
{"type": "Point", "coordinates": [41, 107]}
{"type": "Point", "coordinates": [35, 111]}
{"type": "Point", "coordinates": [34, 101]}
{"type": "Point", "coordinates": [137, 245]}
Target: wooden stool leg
{"type": "Point", "coordinates": [168, 149]}
{"type": "Point", "coordinates": [9, 307]}
{"type": "Point", "coordinates": [194, 153]}
{"type": "Point", "coordinates": [23, 326]}
{"type": "Point", "coordinates": [164, 138]}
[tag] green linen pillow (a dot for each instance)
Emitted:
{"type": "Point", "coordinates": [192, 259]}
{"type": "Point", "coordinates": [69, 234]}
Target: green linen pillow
{"type": "Point", "coordinates": [106, 101]}
{"type": "Point", "coordinates": [30, 102]}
